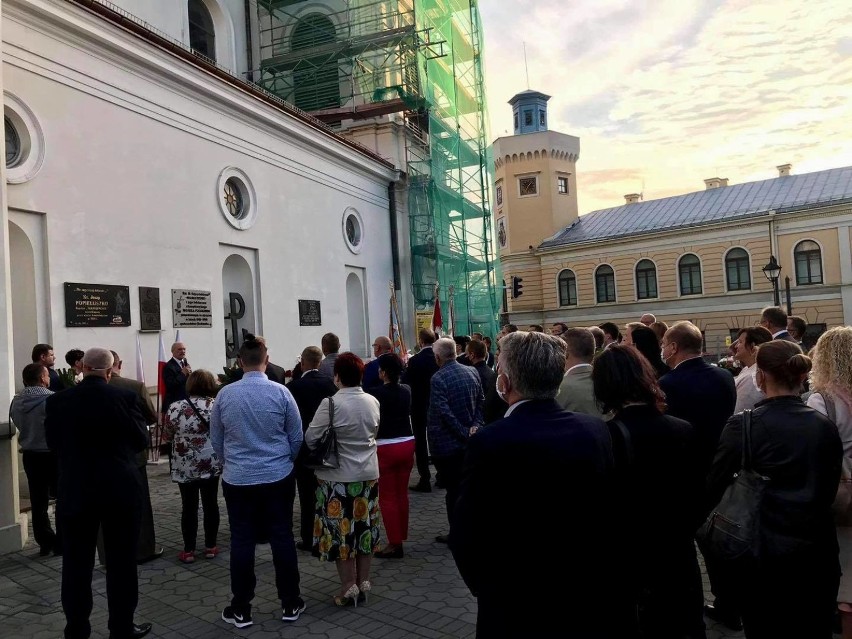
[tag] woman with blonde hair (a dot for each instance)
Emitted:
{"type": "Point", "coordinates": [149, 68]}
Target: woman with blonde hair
{"type": "Point", "coordinates": [831, 383]}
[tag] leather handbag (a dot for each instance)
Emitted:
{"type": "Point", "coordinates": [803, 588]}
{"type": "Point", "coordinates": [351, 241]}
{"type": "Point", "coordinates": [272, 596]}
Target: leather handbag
{"type": "Point", "coordinates": [732, 530]}
{"type": "Point", "coordinates": [323, 456]}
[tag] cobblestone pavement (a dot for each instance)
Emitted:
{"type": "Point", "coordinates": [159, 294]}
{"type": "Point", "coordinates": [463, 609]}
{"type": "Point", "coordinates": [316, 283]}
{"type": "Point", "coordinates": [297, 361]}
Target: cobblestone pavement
{"type": "Point", "coordinates": [419, 596]}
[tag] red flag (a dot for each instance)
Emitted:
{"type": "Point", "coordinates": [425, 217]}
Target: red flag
{"type": "Point", "coordinates": [437, 320]}
{"type": "Point", "coordinates": [161, 364]}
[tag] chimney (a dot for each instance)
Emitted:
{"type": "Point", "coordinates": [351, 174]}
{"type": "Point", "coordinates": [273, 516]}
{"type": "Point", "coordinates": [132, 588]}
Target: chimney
{"type": "Point", "coordinates": [715, 183]}
{"type": "Point", "coordinates": [632, 198]}
{"type": "Point", "coordinates": [784, 170]}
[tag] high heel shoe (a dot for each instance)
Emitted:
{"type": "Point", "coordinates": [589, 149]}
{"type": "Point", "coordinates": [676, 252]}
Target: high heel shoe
{"type": "Point", "coordinates": [349, 598]}
{"type": "Point", "coordinates": [365, 589]}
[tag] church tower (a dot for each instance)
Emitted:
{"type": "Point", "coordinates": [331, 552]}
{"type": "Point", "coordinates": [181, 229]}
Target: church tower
{"type": "Point", "coordinates": [535, 178]}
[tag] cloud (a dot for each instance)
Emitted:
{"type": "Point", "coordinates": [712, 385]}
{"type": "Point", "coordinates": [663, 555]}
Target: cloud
{"type": "Point", "coordinates": [674, 91]}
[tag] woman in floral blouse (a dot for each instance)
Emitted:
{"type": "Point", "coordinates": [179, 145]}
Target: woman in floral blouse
{"type": "Point", "coordinates": [194, 465]}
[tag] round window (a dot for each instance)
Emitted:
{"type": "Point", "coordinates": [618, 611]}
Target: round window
{"type": "Point", "coordinates": [353, 231]}
{"type": "Point", "coordinates": [234, 200]}
{"type": "Point", "coordinates": [13, 144]}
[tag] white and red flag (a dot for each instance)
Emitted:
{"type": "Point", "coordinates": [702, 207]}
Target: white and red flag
{"type": "Point", "coordinates": [437, 320]}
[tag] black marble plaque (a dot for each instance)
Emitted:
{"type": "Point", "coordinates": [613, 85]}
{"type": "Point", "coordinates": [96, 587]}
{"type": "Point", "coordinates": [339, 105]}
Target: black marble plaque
{"type": "Point", "coordinates": [96, 305]}
{"type": "Point", "coordinates": [149, 308]}
{"type": "Point", "coordinates": [309, 313]}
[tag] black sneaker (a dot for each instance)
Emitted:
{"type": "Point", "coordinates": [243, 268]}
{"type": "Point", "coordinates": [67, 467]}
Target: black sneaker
{"type": "Point", "coordinates": [239, 620]}
{"type": "Point", "coordinates": [292, 612]}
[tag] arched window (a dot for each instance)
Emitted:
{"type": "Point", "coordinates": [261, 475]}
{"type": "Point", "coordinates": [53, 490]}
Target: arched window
{"type": "Point", "coordinates": [689, 273]}
{"type": "Point", "coordinates": [567, 288]}
{"type": "Point", "coordinates": [202, 35]}
{"type": "Point", "coordinates": [646, 280]}
{"type": "Point", "coordinates": [808, 258]}
{"type": "Point", "coordinates": [316, 81]}
{"type": "Point", "coordinates": [738, 270]}
{"type": "Point", "coordinates": [605, 284]}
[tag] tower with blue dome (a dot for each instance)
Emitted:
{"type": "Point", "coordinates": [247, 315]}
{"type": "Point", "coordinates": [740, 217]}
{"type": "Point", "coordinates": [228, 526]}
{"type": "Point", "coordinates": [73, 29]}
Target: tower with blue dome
{"type": "Point", "coordinates": [530, 111]}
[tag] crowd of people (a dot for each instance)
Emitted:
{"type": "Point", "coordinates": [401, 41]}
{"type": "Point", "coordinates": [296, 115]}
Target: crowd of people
{"type": "Point", "coordinates": [577, 467]}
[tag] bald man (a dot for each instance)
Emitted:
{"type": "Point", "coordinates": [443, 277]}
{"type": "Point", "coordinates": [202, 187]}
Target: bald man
{"type": "Point", "coordinates": [381, 345]}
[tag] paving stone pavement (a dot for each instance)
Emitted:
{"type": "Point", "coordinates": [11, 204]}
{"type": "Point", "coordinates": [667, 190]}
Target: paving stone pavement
{"type": "Point", "coordinates": [421, 595]}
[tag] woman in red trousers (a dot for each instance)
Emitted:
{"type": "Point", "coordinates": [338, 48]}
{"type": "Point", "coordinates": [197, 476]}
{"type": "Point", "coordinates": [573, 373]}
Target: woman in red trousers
{"type": "Point", "coordinates": [396, 453]}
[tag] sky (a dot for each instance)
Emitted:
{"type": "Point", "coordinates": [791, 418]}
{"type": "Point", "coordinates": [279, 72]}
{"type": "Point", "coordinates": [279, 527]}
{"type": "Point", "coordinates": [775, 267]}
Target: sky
{"type": "Point", "coordinates": [666, 93]}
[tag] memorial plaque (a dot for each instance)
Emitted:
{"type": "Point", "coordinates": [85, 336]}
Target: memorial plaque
{"type": "Point", "coordinates": [149, 308]}
{"type": "Point", "coordinates": [96, 305]}
{"type": "Point", "coordinates": [309, 313]}
{"type": "Point", "coordinates": [191, 309]}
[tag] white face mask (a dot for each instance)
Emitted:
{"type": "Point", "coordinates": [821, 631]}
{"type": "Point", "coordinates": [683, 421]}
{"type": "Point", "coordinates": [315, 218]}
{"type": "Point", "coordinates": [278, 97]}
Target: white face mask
{"type": "Point", "coordinates": [501, 393]}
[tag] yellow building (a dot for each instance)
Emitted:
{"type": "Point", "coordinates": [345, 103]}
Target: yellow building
{"type": "Point", "coordinates": [698, 256]}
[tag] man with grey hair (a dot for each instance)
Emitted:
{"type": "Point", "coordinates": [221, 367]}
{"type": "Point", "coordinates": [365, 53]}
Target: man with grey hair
{"type": "Point", "coordinates": [575, 392]}
{"type": "Point", "coordinates": [97, 430]}
{"type": "Point", "coordinates": [511, 471]}
{"type": "Point", "coordinates": [647, 319]}
{"type": "Point", "coordinates": [455, 413]}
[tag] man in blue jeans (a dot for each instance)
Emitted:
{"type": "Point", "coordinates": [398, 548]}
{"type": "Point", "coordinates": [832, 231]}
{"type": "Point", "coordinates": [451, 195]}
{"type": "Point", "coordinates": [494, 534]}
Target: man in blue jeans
{"type": "Point", "coordinates": [256, 431]}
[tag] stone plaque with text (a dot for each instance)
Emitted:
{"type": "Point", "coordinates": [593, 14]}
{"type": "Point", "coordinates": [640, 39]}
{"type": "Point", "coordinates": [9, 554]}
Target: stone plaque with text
{"type": "Point", "coordinates": [149, 308]}
{"type": "Point", "coordinates": [309, 313]}
{"type": "Point", "coordinates": [96, 305]}
{"type": "Point", "coordinates": [191, 309]}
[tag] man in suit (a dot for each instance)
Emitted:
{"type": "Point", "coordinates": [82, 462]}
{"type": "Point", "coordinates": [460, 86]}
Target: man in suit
{"type": "Point", "coordinates": [147, 548]}
{"type": "Point", "coordinates": [774, 319]}
{"type": "Point", "coordinates": [796, 327]}
{"type": "Point", "coordinates": [611, 334]}
{"type": "Point", "coordinates": [330, 348]}
{"type": "Point", "coordinates": [576, 585]}
{"type": "Point", "coordinates": [575, 392]}
{"type": "Point", "coordinates": [705, 396]}
{"type": "Point", "coordinates": [494, 408]}
{"type": "Point", "coordinates": [97, 430]}
{"type": "Point", "coordinates": [418, 376]}
{"type": "Point", "coordinates": [43, 354]}
{"type": "Point", "coordinates": [308, 391]}
{"type": "Point", "coordinates": [175, 372]}
{"type": "Point", "coordinates": [461, 349]}
{"type": "Point", "coordinates": [381, 345]}
{"type": "Point", "coordinates": [455, 413]}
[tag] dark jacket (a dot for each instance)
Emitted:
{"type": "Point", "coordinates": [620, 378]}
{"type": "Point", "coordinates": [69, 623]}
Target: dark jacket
{"type": "Point", "coordinates": [418, 376]}
{"type": "Point", "coordinates": [494, 408]}
{"type": "Point", "coordinates": [96, 430]}
{"type": "Point", "coordinates": [175, 382]}
{"type": "Point", "coordinates": [394, 410]}
{"type": "Point", "coordinates": [371, 375]}
{"type": "Point", "coordinates": [276, 373]}
{"type": "Point", "coordinates": [55, 382]}
{"type": "Point", "coordinates": [799, 449]}
{"type": "Point", "coordinates": [309, 391]}
{"type": "Point", "coordinates": [562, 484]}
{"type": "Point", "coordinates": [784, 335]}
{"type": "Point", "coordinates": [703, 395]}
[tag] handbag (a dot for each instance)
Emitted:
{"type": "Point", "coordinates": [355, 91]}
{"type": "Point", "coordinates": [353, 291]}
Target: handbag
{"type": "Point", "coordinates": [323, 456]}
{"type": "Point", "coordinates": [732, 530]}
{"type": "Point", "coordinates": [842, 506]}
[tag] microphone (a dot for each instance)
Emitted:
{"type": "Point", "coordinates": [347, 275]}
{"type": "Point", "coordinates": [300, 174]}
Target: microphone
{"type": "Point", "coordinates": [184, 363]}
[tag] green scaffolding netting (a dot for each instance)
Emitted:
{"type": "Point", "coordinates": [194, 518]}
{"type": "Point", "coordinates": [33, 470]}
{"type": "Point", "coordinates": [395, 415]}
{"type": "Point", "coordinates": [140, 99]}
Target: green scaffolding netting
{"type": "Point", "coordinates": [421, 58]}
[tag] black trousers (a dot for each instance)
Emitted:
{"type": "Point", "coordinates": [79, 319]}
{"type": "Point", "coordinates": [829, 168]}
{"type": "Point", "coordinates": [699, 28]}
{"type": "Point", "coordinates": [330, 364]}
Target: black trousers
{"type": "Point", "coordinates": [306, 481]}
{"type": "Point", "coordinates": [421, 446]}
{"type": "Point", "coordinates": [120, 525]}
{"type": "Point", "coordinates": [41, 469]}
{"type": "Point", "coordinates": [450, 469]}
{"type": "Point", "coordinates": [208, 489]}
{"type": "Point", "coordinates": [271, 504]}
{"type": "Point", "coordinates": [147, 537]}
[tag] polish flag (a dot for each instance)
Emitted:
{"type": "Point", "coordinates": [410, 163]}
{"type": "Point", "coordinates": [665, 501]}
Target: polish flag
{"type": "Point", "coordinates": [140, 368]}
{"type": "Point", "coordinates": [437, 320]}
{"type": "Point", "coordinates": [161, 364]}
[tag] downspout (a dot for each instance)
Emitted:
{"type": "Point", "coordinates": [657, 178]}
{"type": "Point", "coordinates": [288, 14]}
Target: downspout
{"type": "Point", "coordinates": [249, 61]}
{"type": "Point", "coordinates": [397, 285]}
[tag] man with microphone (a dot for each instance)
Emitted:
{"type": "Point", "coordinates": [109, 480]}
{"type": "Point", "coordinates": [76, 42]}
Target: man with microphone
{"type": "Point", "coordinates": [175, 372]}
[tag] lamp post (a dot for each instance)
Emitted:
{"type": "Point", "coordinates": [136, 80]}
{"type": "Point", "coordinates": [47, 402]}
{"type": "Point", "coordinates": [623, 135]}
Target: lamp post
{"type": "Point", "coordinates": [772, 271]}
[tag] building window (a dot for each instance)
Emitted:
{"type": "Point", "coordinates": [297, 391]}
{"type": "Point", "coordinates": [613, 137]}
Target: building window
{"type": "Point", "coordinates": [202, 35]}
{"type": "Point", "coordinates": [353, 230]}
{"type": "Point", "coordinates": [499, 195]}
{"type": "Point", "coordinates": [528, 186]}
{"type": "Point", "coordinates": [646, 280]}
{"type": "Point", "coordinates": [542, 118]}
{"type": "Point", "coordinates": [237, 198]}
{"type": "Point", "coordinates": [516, 121]}
{"type": "Point", "coordinates": [689, 273]}
{"type": "Point", "coordinates": [528, 118]}
{"type": "Point", "coordinates": [562, 185]}
{"type": "Point", "coordinates": [808, 263]}
{"type": "Point", "coordinates": [738, 270]}
{"type": "Point", "coordinates": [316, 80]}
{"type": "Point", "coordinates": [567, 288]}
{"type": "Point", "coordinates": [234, 198]}
{"type": "Point", "coordinates": [605, 284]}
{"type": "Point", "coordinates": [14, 150]}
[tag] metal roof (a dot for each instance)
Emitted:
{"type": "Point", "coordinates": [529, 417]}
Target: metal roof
{"type": "Point", "coordinates": [781, 194]}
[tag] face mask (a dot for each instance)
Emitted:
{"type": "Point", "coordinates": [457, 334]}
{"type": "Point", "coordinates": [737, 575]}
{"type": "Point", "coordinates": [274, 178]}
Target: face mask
{"type": "Point", "coordinates": [502, 394]}
{"type": "Point", "coordinates": [663, 355]}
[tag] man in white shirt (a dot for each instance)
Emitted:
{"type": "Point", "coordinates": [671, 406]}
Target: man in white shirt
{"type": "Point", "coordinates": [748, 339]}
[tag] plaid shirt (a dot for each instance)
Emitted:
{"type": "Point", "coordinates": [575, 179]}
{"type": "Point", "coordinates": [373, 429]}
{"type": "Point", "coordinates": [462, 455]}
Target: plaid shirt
{"type": "Point", "coordinates": [455, 406]}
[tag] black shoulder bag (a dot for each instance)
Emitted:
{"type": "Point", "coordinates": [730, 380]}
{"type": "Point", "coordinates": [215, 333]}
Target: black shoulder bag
{"type": "Point", "coordinates": [732, 530]}
{"type": "Point", "coordinates": [323, 456]}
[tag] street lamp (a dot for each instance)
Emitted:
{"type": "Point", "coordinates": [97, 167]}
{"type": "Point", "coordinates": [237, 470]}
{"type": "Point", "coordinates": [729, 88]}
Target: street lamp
{"type": "Point", "coordinates": [772, 271]}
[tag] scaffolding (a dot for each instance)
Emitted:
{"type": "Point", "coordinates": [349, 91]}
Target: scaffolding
{"type": "Point", "coordinates": [421, 59]}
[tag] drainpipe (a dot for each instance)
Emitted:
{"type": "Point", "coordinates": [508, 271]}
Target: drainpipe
{"type": "Point", "coordinates": [397, 285]}
{"type": "Point", "coordinates": [249, 61]}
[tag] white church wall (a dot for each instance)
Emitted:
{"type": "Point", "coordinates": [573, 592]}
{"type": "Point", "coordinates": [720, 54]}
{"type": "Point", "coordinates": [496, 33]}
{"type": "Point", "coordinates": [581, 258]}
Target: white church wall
{"type": "Point", "coordinates": [135, 144]}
